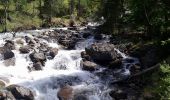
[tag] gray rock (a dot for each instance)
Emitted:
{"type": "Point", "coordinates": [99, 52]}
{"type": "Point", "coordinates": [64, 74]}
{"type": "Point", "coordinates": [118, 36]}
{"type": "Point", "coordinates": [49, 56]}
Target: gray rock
{"type": "Point", "coordinates": [24, 50]}
{"type": "Point", "coordinates": [89, 66]}
{"type": "Point", "coordinates": [102, 52]}
{"type": "Point", "coordinates": [20, 92]}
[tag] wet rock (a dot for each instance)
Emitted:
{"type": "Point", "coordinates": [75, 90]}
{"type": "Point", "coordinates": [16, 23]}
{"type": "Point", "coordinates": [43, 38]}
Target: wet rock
{"type": "Point", "coordinates": [44, 47]}
{"type": "Point", "coordinates": [37, 66]}
{"type": "Point", "coordinates": [115, 64]}
{"type": "Point", "coordinates": [69, 44]}
{"type": "Point", "coordinates": [8, 54]}
{"type": "Point", "coordinates": [85, 56]}
{"type": "Point", "coordinates": [20, 41]}
{"type": "Point", "coordinates": [53, 52]}
{"type": "Point", "coordinates": [38, 57]}
{"type": "Point", "coordinates": [32, 43]}
{"type": "Point", "coordinates": [21, 93]}
{"type": "Point", "coordinates": [118, 95]}
{"type": "Point", "coordinates": [9, 45]}
{"type": "Point", "coordinates": [89, 66]}
{"type": "Point", "coordinates": [65, 93]}
{"type": "Point", "coordinates": [6, 95]}
{"type": "Point", "coordinates": [135, 68]}
{"type": "Point", "coordinates": [102, 52]}
{"type": "Point", "coordinates": [24, 49]}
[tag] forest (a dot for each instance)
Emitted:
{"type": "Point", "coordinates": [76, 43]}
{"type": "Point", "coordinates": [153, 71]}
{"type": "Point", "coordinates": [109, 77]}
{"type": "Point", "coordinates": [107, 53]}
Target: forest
{"type": "Point", "coordinates": [131, 36]}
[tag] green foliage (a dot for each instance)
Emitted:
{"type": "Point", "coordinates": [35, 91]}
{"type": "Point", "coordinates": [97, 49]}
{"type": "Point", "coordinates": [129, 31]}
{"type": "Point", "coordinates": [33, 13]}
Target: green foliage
{"type": "Point", "coordinates": [160, 88]}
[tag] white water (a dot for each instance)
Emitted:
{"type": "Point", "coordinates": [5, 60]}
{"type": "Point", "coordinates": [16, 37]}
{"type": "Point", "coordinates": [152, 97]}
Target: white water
{"type": "Point", "coordinates": [64, 68]}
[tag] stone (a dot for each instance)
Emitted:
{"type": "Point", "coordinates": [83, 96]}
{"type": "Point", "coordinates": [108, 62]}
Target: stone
{"type": "Point", "coordinates": [24, 50]}
{"type": "Point", "coordinates": [21, 93]}
{"type": "Point", "coordinates": [53, 52]}
{"type": "Point", "coordinates": [115, 64]}
{"type": "Point", "coordinates": [37, 66]}
{"type": "Point", "coordinates": [102, 52]}
{"type": "Point", "coordinates": [9, 45]}
{"type": "Point", "coordinates": [20, 41]}
{"type": "Point", "coordinates": [8, 54]}
{"type": "Point", "coordinates": [85, 56]}
{"type": "Point", "coordinates": [88, 66]}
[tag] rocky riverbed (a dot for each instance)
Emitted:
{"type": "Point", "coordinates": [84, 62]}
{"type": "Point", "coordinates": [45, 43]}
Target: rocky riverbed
{"type": "Point", "coordinates": [63, 64]}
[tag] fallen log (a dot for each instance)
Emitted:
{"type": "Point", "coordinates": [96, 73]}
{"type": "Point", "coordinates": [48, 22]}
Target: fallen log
{"type": "Point", "coordinates": [137, 74]}
{"type": "Point", "coordinates": [145, 70]}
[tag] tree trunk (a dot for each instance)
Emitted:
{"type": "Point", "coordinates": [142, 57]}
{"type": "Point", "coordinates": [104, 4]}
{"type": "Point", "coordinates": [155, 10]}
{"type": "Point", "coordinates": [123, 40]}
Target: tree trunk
{"type": "Point", "coordinates": [6, 15]}
{"type": "Point", "coordinates": [71, 9]}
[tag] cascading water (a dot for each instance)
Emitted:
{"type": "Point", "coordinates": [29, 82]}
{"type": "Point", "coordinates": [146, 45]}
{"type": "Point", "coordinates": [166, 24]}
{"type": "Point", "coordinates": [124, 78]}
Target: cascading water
{"type": "Point", "coordinates": [64, 68]}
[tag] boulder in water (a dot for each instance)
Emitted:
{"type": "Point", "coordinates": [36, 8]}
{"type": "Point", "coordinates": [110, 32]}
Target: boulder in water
{"type": "Point", "coordinates": [115, 64]}
{"type": "Point", "coordinates": [9, 45]}
{"type": "Point", "coordinates": [21, 93]}
{"type": "Point", "coordinates": [37, 66]}
{"type": "Point", "coordinates": [89, 66]}
{"type": "Point", "coordinates": [102, 52]}
{"type": "Point", "coordinates": [38, 57]}
{"type": "Point", "coordinates": [65, 93]}
{"type": "Point", "coordinates": [24, 50]}
{"type": "Point", "coordinates": [20, 41]}
{"type": "Point", "coordinates": [53, 52]}
{"type": "Point", "coordinates": [85, 56]}
{"type": "Point", "coordinates": [8, 54]}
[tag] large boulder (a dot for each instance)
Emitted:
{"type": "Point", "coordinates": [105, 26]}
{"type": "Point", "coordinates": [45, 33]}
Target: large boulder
{"type": "Point", "coordinates": [89, 66]}
{"type": "Point", "coordinates": [21, 93]}
{"type": "Point", "coordinates": [24, 49]}
{"type": "Point", "coordinates": [65, 93]}
{"type": "Point", "coordinates": [102, 52]}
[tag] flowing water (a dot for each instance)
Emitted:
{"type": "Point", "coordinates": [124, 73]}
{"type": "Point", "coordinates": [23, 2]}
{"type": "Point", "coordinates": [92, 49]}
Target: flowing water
{"type": "Point", "coordinates": [63, 69]}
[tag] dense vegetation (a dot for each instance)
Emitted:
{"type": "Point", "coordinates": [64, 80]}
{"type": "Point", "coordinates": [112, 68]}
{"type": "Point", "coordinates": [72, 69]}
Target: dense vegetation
{"type": "Point", "coordinates": [149, 20]}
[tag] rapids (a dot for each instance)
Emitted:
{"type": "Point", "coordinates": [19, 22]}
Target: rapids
{"type": "Point", "coordinates": [64, 68]}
